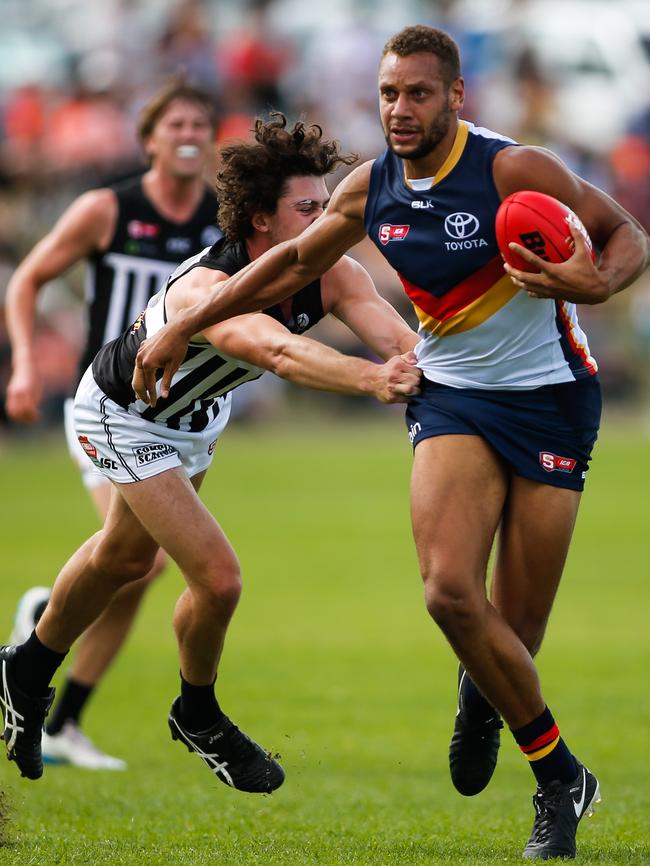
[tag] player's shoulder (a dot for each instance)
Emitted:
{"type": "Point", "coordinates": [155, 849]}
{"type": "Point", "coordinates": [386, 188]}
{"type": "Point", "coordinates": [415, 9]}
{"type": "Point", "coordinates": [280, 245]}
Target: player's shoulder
{"type": "Point", "coordinates": [359, 177]}
{"type": "Point", "coordinates": [349, 197]}
{"type": "Point", "coordinates": [517, 167]}
{"type": "Point", "coordinates": [92, 211]}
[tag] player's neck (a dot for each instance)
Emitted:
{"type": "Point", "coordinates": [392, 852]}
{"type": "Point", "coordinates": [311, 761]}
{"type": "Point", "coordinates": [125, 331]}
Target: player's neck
{"type": "Point", "coordinates": [176, 198]}
{"type": "Point", "coordinates": [258, 244]}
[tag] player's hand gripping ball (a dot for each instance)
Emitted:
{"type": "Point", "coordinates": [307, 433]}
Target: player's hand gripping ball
{"type": "Point", "coordinates": [540, 223]}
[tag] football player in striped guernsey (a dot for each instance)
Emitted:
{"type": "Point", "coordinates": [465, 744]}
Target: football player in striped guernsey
{"type": "Point", "coordinates": [510, 403]}
{"type": "Point", "coordinates": [156, 457]}
{"type": "Point", "coordinates": [131, 236]}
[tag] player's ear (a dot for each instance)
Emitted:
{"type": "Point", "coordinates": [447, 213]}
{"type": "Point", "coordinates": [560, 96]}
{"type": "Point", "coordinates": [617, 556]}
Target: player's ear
{"type": "Point", "coordinates": [260, 222]}
{"type": "Point", "coordinates": [147, 147]}
{"type": "Point", "coordinates": [456, 94]}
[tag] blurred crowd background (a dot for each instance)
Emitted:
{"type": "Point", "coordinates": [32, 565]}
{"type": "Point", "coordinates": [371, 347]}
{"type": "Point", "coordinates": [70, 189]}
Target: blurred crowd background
{"type": "Point", "coordinates": [573, 75]}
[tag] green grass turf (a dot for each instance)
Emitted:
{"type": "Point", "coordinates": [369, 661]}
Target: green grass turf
{"type": "Point", "coordinates": [332, 662]}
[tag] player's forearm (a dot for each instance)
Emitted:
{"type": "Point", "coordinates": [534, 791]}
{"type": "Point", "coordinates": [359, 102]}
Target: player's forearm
{"type": "Point", "coordinates": [625, 256]}
{"type": "Point", "coordinates": [313, 365]}
{"type": "Point", "coordinates": [20, 312]}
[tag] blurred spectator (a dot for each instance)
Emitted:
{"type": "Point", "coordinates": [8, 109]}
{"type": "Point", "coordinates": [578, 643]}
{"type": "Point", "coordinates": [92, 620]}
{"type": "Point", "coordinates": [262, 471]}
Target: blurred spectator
{"type": "Point", "coordinates": [572, 79]}
{"type": "Point", "coordinates": [630, 164]}
{"type": "Point", "coordinates": [252, 60]}
{"type": "Point", "coordinates": [187, 45]}
{"type": "Point", "coordinates": [87, 129]}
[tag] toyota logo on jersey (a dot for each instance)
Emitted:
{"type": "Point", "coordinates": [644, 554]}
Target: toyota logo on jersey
{"type": "Point", "coordinates": [461, 225]}
{"type": "Point", "coordinates": [388, 232]}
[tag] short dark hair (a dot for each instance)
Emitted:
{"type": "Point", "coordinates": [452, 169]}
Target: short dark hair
{"type": "Point", "coordinates": [422, 39]}
{"type": "Point", "coordinates": [177, 87]}
{"type": "Point", "coordinates": [252, 176]}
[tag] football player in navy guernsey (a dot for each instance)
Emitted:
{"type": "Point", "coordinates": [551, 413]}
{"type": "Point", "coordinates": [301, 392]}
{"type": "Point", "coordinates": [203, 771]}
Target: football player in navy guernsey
{"type": "Point", "coordinates": [131, 235]}
{"type": "Point", "coordinates": [509, 407]}
{"type": "Point", "coordinates": [269, 190]}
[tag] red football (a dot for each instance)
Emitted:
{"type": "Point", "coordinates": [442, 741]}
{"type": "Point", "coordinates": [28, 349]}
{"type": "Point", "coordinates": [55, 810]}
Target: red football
{"type": "Point", "coordinates": [540, 223]}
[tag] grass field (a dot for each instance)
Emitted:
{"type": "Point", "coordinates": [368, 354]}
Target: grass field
{"type": "Point", "coordinates": [333, 662]}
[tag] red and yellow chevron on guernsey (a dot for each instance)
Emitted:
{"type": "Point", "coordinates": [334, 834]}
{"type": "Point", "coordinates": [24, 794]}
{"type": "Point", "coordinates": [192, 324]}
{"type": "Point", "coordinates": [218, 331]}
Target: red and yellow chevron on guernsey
{"type": "Point", "coordinates": [467, 305]}
{"type": "Point", "coordinates": [578, 348]}
{"type": "Point", "coordinates": [543, 745]}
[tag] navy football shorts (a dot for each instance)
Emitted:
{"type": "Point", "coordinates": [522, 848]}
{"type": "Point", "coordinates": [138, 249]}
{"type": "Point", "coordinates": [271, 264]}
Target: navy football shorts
{"type": "Point", "coordinates": [545, 434]}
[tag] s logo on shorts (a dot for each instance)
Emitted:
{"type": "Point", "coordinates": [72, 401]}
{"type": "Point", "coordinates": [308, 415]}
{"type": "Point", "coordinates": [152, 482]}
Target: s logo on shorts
{"type": "Point", "coordinates": [552, 463]}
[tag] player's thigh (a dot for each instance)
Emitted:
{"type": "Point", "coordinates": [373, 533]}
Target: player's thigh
{"type": "Point", "coordinates": [101, 496]}
{"type": "Point", "coordinates": [458, 488]}
{"type": "Point", "coordinates": [169, 508]}
{"type": "Point", "coordinates": [534, 539]}
{"type": "Point", "coordinates": [124, 541]}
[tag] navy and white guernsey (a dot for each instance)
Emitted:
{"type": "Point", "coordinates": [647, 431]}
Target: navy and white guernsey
{"type": "Point", "coordinates": [206, 377]}
{"type": "Point", "coordinates": [478, 330]}
{"type": "Point", "coordinates": [145, 249]}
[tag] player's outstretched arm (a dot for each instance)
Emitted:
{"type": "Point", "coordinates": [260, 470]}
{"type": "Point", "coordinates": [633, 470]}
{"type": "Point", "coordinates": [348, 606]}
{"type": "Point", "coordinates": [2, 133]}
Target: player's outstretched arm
{"type": "Point", "coordinates": [84, 227]}
{"type": "Point", "coordinates": [271, 278]}
{"type": "Point", "coordinates": [260, 340]}
{"type": "Point", "coordinates": [350, 294]}
{"type": "Point", "coordinates": [624, 245]}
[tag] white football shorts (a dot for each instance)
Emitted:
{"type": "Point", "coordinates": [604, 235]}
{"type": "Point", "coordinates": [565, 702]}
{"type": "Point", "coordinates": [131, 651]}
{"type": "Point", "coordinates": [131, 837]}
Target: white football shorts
{"type": "Point", "coordinates": [91, 475]}
{"type": "Point", "coordinates": [126, 448]}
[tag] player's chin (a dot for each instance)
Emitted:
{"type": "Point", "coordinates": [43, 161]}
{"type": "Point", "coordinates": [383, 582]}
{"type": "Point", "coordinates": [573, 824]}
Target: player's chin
{"type": "Point", "coordinates": [405, 150]}
{"type": "Point", "coordinates": [189, 169]}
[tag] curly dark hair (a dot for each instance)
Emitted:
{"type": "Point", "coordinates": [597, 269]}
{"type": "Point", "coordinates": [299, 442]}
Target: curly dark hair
{"type": "Point", "coordinates": [422, 39]}
{"type": "Point", "coordinates": [252, 176]}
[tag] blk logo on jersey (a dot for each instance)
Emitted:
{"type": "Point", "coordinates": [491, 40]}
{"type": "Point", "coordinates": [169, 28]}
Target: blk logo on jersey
{"type": "Point", "coordinates": [138, 229]}
{"type": "Point", "coordinates": [552, 463]}
{"type": "Point", "coordinates": [180, 246]}
{"type": "Point", "coordinates": [388, 232]}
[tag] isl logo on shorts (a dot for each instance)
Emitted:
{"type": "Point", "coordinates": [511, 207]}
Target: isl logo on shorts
{"type": "Point", "coordinates": [552, 463]}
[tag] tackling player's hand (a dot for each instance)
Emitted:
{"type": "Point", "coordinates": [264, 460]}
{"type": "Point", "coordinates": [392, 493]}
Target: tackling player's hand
{"type": "Point", "coordinates": [24, 393]}
{"type": "Point", "coordinates": [165, 350]}
{"type": "Point", "coordinates": [398, 379]}
{"type": "Point", "coordinates": [576, 280]}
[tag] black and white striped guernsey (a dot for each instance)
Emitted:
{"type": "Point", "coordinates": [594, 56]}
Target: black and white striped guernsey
{"type": "Point", "coordinates": [206, 375]}
{"type": "Point", "coordinates": [144, 250]}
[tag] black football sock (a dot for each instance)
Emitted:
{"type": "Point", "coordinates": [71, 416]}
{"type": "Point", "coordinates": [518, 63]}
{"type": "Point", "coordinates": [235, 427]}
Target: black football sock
{"type": "Point", "coordinates": [199, 709]}
{"type": "Point", "coordinates": [471, 701]}
{"type": "Point", "coordinates": [34, 665]}
{"type": "Point", "coordinates": [548, 754]}
{"type": "Point", "coordinates": [70, 705]}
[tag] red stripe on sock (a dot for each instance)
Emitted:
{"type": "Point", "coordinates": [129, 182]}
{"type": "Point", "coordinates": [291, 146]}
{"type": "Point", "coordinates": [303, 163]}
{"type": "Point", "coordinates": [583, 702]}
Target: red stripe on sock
{"type": "Point", "coordinates": [542, 741]}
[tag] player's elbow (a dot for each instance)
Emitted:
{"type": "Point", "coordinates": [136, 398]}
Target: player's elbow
{"type": "Point", "coordinates": [279, 358]}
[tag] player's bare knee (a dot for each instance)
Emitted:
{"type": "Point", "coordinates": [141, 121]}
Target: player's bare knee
{"type": "Point", "coordinates": [454, 610]}
{"type": "Point", "coordinates": [122, 567]}
{"type": "Point", "coordinates": [220, 587]}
